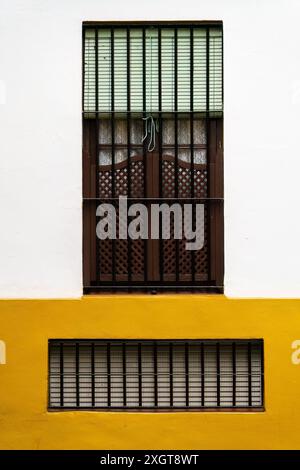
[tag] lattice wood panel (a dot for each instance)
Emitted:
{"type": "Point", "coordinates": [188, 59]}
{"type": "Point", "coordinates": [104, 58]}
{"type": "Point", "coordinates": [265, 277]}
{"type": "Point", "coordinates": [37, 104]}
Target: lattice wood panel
{"type": "Point", "coordinates": [184, 179]}
{"type": "Point", "coordinates": [130, 256]}
{"type": "Point", "coordinates": [185, 259]}
{"type": "Point", "coordinates": [121, 180]}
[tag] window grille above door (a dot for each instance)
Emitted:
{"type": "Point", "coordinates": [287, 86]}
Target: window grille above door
{"type": "Point", "coordinates": [153, 132]}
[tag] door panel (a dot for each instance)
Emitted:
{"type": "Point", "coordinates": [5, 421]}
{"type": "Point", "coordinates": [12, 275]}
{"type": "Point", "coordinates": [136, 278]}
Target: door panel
{"type": "Point", "coordinates": [166, 174]}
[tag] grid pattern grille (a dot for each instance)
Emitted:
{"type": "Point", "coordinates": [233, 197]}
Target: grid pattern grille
{"type": "Point", "coordinates": [119, 49]}
{"type": "Point", "coordinates": [155, 374]}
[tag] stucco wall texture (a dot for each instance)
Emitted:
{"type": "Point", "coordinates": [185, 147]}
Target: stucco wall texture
{"type": "Point", "coordinates": [26, 326]}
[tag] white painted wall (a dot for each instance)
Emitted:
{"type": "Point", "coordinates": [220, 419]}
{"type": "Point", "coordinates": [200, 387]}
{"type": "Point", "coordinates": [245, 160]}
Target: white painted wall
{"type": "Point", "coordinates": [40, 140]}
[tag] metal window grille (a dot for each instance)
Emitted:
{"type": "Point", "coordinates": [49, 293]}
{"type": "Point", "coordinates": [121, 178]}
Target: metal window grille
{"type": "Point", "coordinates": [166, 53]}
{"type": "Point", "coordinates": [174, 73]}
{"type": "Point", "coordinates": [150, 374]}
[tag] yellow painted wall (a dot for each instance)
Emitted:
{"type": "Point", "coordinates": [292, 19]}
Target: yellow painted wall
{"type": "Point", "coordinates": [26, 326]}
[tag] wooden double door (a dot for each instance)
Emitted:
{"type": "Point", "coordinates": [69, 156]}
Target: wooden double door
{"type": "Point", "coordinates": [188, 172]}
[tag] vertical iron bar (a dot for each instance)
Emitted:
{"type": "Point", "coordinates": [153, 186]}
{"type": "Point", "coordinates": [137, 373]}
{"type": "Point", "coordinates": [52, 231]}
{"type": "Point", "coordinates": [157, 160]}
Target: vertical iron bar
{"type": "Point", "coordinates": [77, 374]}
{"type": "Point", "coordinates": [93, 372]}
{"type": "Point", "coordinates": [97, 89]}
{"type": "Point", "coordinates": [97, 192]}
{"type": "Point", "coordinates": [262, 375]}
{"type": "Point", "coordinates": [61, 372]}
{"type": "Point", "coordinates": [160, 123]}
{"type": "Point", "coordinates": [218, 374]}
{"type": "Point", "coordinates": [144, 148]}
{"type": "Point", "coordinates": [124, 374]}
{"type": "Point", "coordinates": [233, 375]}
{"type": "Point", "coordinates": [207, 120]}
{"type": "Point", "coordinates": [193, 258]}
{"type": "Point", "coordinates": [186, 358]}
{"type": "Point", "coordinates": [112, 108]}
{"type": "Point", "coordinates": [108, 365]}
{"type": "Point", "coordinates": [222, 59]}
{"type": "Point", "coordinates": [202, 375]}
{"type": "Point", "coordinates": [159, 72]}
{"type": "Point", "coordinates": [140, 373]}
{"type": "Point", "coordinates": [176, 141]}
{"type": "Point", "coordinates": [49, 374]}
{"type": "Point", "coordinates": [129, 267]}
{"type": "Point", "coordinates": [249, 375]}
{"type": "Point", "coordinates": [171, 372]}
{"type": "Point", "coordinates": [83, 68]}
{"type": "Point", "coordinates": [112, 78]}
{"type": "Point", "coordinates": [155, 374]}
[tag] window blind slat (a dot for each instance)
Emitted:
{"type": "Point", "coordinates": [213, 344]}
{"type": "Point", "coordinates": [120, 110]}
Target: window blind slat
{"type": "Point", "coordinates": [191, 374]}
{"type": "Point", "coordinates": [151, 60]}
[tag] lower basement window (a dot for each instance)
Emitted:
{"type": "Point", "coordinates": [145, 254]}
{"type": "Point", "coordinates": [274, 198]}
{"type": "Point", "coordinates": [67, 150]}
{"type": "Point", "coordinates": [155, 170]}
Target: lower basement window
{"type": "Point", "coordinates": [148, 374]}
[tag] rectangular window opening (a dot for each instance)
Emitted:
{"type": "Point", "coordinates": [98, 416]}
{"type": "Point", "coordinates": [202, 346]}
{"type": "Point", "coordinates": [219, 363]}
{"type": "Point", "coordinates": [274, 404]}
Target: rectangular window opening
{"type": "Point", "coordinates": [150, 374]}
{"type": "Point", "coordinates": [153, 133]}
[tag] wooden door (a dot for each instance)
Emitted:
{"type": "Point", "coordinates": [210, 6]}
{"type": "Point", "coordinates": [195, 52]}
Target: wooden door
{"type": "Point", "coordinates": [166, 174]}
